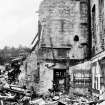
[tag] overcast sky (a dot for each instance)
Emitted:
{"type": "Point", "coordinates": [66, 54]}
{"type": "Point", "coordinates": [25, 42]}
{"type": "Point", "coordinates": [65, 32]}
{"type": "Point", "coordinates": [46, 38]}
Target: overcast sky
{"type": "Point", "coordinates": [18, 22]}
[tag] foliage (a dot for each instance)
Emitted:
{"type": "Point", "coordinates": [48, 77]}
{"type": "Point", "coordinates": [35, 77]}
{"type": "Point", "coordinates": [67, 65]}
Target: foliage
{"type": "Point", "coordinates": [8, 53]}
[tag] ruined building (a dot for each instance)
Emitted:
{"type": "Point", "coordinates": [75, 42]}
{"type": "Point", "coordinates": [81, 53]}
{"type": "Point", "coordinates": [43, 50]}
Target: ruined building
{"type": "Point", "coordinates": [97, 25]}
{"type": "Point", "coordinates": [65, 27]}
{"type": "Point", "coordinates": [98, 46]}
{"type": "Point", "coordinates": [63, 40]}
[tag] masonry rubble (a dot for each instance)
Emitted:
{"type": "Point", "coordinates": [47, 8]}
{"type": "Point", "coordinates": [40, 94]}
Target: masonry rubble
{"type": "Point", "coordinates": [53, 99]}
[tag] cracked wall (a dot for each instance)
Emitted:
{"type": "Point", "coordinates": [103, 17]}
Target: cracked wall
{"type": "Point", "coordinates": [66, 25]}
{"type": "Point", "coordinates": [64, 34]}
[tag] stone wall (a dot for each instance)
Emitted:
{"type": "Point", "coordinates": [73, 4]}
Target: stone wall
{"type": "Point", "coordinates": [29, 72]}
{"type": "Point", "coordinates": [36, 74]}
{"type": "Point", "coordinates": [65, 26]}
{"type": "Point", "coordinates": [46, 78]}
{"type": "Point", "coordinates": [98, 26]}
{"type": "Point", "coordinates": [64, 34]}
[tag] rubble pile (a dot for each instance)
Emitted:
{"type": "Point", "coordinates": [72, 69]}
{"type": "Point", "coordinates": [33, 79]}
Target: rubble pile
{"type": "Point", "coordinates": [14, 95]}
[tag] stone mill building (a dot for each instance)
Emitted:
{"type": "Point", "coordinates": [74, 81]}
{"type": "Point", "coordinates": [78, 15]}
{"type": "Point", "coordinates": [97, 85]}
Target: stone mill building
{"type": "Point", "coordinates": [63, 42]}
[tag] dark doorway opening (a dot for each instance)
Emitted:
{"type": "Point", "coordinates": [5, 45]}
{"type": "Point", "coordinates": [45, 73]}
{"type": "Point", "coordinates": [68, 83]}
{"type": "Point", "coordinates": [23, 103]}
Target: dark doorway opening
{"type": "Point", "coordinates": [59, 80]}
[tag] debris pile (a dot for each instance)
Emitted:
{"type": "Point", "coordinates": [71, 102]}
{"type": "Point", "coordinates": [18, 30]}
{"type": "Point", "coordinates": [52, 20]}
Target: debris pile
{"type": "Point", "coordinates": [12, 94]}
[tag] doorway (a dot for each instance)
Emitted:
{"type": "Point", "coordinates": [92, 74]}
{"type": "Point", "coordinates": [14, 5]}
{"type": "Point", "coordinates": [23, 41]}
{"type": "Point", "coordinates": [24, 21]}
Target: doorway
{"type": "Point", "coordinates": [59, 80]}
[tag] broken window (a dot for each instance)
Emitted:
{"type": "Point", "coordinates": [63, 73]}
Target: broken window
{"type": "Point", "coordinates": [81, 78]}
